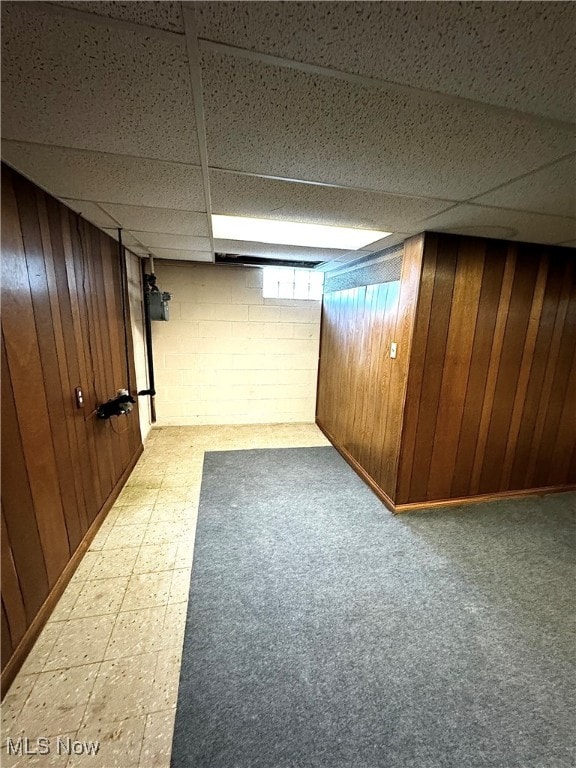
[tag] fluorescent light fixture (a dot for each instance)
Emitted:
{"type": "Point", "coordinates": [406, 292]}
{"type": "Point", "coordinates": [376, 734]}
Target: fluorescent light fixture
{"type": "Point", "coordinates": [292, 233]}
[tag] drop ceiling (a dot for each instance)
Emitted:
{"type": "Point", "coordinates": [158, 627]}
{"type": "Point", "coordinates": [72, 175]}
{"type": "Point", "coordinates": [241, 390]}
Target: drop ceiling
{"type": "Point", "coordinates": [400, 117]}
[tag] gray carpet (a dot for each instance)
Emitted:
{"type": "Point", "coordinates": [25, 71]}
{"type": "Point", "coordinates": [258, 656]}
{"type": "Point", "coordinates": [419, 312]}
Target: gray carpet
{"type": "Point", "coordinates": [323, 632]}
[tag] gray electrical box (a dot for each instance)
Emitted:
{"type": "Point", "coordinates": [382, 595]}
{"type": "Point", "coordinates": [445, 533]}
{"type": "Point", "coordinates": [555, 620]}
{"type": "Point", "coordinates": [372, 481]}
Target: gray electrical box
{"type": "Point", "coordinates": [158, 305]}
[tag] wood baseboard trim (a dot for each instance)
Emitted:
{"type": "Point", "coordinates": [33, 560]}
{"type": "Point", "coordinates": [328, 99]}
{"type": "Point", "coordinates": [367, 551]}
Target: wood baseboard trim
{"type": "Point", "coordinates": [382, 495]}
{"type": "Point", "coordinates": [31, 635]}
{"type": "Point", "coordinates": [468, 500]}
{"type": "Point", "coordinates": [420, 506]}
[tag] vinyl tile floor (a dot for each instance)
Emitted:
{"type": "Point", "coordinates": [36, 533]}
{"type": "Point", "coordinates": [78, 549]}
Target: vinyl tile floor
{"type": "Point", "coordinates": [106, 666]}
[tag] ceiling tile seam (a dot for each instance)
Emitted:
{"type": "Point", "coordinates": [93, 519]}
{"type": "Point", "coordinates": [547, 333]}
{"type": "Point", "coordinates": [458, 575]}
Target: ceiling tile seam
{"type": "Point", "coordinates": [191, 37]}
{"type": "Point", "coordinates": [497, 208]}
{"type": "Point", "coordinates": [110, 216]}
{"type": "Point", "coordinates": [100, 152]}
{"type": "Point", "coordinates": [130, 205]}
{"type": "Point", "coordinates": [373, 82]}
{"type": "Point", "coordinates": [522, 210]}
{"type": "Point", "coordinates": [523, 176]}
{"type": "Point", "coordinates": [138, 243]}
{"type": "Point", "coordinates": [169, 234]}
{"type": "Point", "coordinates": [329, 185]}
{"type": "Point", "coordinates": [107, 21]}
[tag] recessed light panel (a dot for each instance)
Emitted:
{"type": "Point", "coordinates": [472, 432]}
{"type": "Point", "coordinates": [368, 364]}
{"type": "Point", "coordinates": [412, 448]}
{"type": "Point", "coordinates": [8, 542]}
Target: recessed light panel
{"type": "Point", "coordinates": [293, 233]}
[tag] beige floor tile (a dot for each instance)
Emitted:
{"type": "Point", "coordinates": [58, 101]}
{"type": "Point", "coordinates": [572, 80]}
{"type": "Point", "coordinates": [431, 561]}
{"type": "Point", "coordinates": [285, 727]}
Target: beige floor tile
{"type": "Point", "coordinates": [14, 701]}
{"type": "Point", "coordinates": [170, 512]}
{"type": "Point", "coordinates": [82, 573]}
{"type": "Point", "coordinates": [65, 605]}
{"type": "Point", "coordinates": [100, 596]}
{"type": "Point", "coordinates": [120, 743]}
{"type": "Point", "coordinates": [134, 515]}
{"type": "Point", "coordinates": [143, 479]}
{"type": "Point", "coordinates": [132, 495]}
{"type": "Point", "coordinates": [156, 557]}
{"type": "Point", "coordinates": [174, 626]}
{"type": "Point", "coordinates": [146, 590]}
{"type": "Point", "coordinates": [124, 688]}
{"type": "Point", "coordinates": [178, 495]}
{"type": "Point", "coordinates": [42, 647]}
{"type": "Point", "coordinates": [81, 641]}
{"type": "Point", "coordinates": [166, 533]}
{"type": "Point", "coordinates": [166, 679]}
{"type": "Point", "coordinates": [177, 481]}
{"type": "Point", "coordinates": [180, 586]}
{"type": "Point", "coordinates": [125, 536]}
{"type": "Point", "coordinates": [99, 540]}
{"type": "Point", "coordinates": [114, 562]}
{"type": "Point", "coordinates": [157, 744]}
{"type": "Point", "coordinates": [184, 554]}
{"type": "Point", "coordinates": [57, 702]}
{"type": "Point", "coordinates": [137, 632]}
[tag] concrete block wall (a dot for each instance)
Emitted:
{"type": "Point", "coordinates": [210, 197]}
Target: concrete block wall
{"type": "Point", "coordinates": [229, 356]}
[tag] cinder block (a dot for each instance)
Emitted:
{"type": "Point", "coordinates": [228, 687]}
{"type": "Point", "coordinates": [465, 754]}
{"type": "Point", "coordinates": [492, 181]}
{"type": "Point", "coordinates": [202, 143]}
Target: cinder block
{"type": "Point", "coordinates": [248, 296]}
{"type": "Point", "coordinates": [263, 314]}
{"type": "Point", "coordinates": [300, 315]}
{"type": "Point", "coordinates": [306, 330]}
{"type": "Point", "coordinates": [214, 329]}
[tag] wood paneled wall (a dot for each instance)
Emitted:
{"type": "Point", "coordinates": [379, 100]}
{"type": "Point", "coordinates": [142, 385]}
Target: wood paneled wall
{"type": "Point", "coordinates": [361, 389]}
{"type": "Point", "coordinates": [62, 327]}
{"type": "Point", "coordinates": [489, 407]}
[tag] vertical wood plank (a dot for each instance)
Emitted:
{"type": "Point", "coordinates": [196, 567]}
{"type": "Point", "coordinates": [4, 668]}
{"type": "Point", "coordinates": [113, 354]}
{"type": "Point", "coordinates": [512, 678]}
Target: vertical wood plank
{"type": "Point", "coordinates": [494, 261]}
{"type": "Point", "coordinates": [513, 342]}
{"type": "Point", "coordinates": [45, 332]}
{"type": "Point", "coordinates": [11, 589]}
{"type": "Point", "coordinates": [18, 505]}
{"type": "Point", "coordinates": [493, 368]}
{"type": "Point", "coordinates": [26, 375]}
{"type": "Point", "coordinates": [524, 373]}
{"type": "Point", "coordinates": [554, 393]}
{"type": "Point", "coordinates": [61, 317]}
{"type": "Point", "coordinates": [456, 368]}
{"type": "Point", "coordinates": [556, 272]}
{"type": "Point", "coordinates": [7, 647]}
{"type": "Point", "coordinates": [433, 366]}
{"type": "Point", "coordinates": [416, 370]}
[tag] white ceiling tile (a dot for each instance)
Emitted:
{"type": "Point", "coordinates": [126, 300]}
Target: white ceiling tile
{"type": "Point", "coordinates": [179, 255]}
{"type": "Point", "coordinates": [138, 250]}
{"type": "Point", "coordinates": [159, 219]}
{"type": "Point", "coordinates": [91, 212]}
{"type": "Point", "coordinates": [98, 176]}
{"type": "Point", "coordinates": [266, 251]}
{"type": "Point", "coordinates": [180, 242]}
{"type": "Point", "coordinates": [240, 195]}
{"type": "Point", "coordinates": [551, 190]}
{"type": "Point", "coordinates": [127, 239]}
{"type": "Point", "coordinates": [94, 87]}
{"type": "Point", "coordinates": [482, 221]}
{"type": "Point", "coordinates": [276, 121]}
{"type": "Point", "coordinates": [166, 15]}
{"type": "Point", "coordinates": [514, 54]}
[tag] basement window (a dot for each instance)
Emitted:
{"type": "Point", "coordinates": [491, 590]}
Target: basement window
{"type": "Point", "coordinates": [290, 283]}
